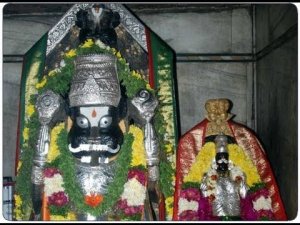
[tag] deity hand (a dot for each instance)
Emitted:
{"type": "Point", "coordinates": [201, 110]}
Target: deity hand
{"type": "Point", "coordinates": [144, 105]}
{"type": "Point", "coordinates": [50, 110]}
{"type": "Point", "coordinates": [142, 109]}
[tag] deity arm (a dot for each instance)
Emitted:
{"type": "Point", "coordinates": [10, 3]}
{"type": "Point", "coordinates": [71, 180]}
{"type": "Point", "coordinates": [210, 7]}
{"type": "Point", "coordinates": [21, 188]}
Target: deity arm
{"type": "Point", "coordinates": [142, 108]}
{"type": "Point", "coordinates": [243, 189]}
{"type": "Point", "coordinates": [50, 110]}
{"type": "Point", "coordinates": [204, 186]}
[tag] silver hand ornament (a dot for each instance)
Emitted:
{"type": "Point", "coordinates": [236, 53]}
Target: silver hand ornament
{"type": "Point", "coordinates": [50, 110]}
{"type": "Point", "coordinates": [145, 105]}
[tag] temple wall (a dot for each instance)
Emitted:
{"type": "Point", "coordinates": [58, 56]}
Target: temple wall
{"type": "Point", "coordinates": [277, 78]}
{"type": "Point", "coordinates": [211, 36]}
{"type": "Point", "coordinates": [215, 52]}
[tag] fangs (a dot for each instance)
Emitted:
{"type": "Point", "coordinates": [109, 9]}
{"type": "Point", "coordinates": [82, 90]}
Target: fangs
{"type": "Point", "coordinates": [93, 147]}
{"type": "Point", "coordinates": [86, 159]}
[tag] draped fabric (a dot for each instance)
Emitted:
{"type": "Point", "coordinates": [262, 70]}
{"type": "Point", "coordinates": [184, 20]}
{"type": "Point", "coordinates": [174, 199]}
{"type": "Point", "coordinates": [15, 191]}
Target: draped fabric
{"type": "Point", "coordinates": [191, 143]}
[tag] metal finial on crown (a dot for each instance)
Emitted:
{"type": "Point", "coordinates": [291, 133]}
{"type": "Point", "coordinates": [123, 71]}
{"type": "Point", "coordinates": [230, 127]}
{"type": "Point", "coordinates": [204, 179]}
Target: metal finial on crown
{"type": "Point", "coordinates": [221, 143]}
{"type": "Point", "coordinates": [95, 81]}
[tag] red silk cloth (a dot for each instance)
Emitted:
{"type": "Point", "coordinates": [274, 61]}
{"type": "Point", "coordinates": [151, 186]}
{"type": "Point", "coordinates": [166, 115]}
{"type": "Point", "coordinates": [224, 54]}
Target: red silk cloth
{"type": "Point", "coordinates": [191, 142]}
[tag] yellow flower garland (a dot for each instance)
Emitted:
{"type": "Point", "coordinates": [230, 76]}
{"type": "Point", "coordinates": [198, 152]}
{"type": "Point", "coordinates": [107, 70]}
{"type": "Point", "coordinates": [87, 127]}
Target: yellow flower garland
{"type": "Point", "coordinates": [42, 83]}
{"type": "Point", "coordinates": [88, 43]}
{"type": "Point", "coordinates": [52, 73]}
{"type": "Point", "coordinates": [148, 87]}
{"type": "Point", "coordinates": [202, 163]}
{"type": "Point", "coordinates": [71, 53]}
{"type": "Point", "coordinates": [53, 149]}
{"type": "Point", "coordinates": [69, 217]}
{"type": "Point", "coordinates": [30, 110]}
{"type": "Point", "coordinates": [169, 207]}
{"type": "Point", "coordinates": [136, 74]}
{"type": "Point", "coordinates": [138, 149]}
{"type": "Point", "coordinates": [31, 81]}
{"type": "Point", "coordinates": [17, 208]}
{"type": "Point", "coordinates": [236, 154]}
{"type": "Point", "coordinates": [19, 165]}
{"type": "Point", "coordinates": [25, 134]}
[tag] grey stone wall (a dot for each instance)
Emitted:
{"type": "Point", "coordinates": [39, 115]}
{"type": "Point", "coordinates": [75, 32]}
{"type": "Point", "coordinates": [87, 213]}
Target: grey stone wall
{"type": "Point", "coordinates": [211, 34]}
{"type": "Point", "coordinates": [277, 78]}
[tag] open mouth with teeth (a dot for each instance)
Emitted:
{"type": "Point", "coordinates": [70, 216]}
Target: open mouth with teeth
{"type": "Point", "coordinates": [94, 153]}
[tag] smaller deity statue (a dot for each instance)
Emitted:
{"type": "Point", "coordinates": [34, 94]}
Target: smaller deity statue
{"type": "Point", "coordinates": [98, 23]}
{"type": "Point", "coordinates": [226, 160]}
{"type": "Point", "coordinates": [228, 186]}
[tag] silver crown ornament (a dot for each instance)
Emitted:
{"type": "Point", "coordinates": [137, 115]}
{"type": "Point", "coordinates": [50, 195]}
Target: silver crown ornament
{"type": "Point", "coordinates": [95, 81]}
{"type": "Point", "coordinates": [221, 143]}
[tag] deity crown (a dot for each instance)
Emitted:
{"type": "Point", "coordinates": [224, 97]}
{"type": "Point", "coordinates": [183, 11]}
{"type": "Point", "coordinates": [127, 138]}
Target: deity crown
{"type": "Point", "coordinates": [95, 81]}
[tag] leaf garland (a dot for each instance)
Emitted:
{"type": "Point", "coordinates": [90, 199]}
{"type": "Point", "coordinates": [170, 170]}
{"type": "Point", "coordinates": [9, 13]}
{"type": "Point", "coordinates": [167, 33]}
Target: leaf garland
{"type": "Point", "coordinates": [23, 182]}
{"type": "Point", "coordinates": [66, 164]}
{"type": "Point", "coordinates": [59, 83]}
{"type": "Point", "coordinates": [58, 80]}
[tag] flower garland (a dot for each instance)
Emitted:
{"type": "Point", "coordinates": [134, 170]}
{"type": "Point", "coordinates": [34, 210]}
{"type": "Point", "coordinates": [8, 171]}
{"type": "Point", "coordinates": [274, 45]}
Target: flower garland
{"type": "Point", "coordinates": [162, 61]}
{"type": "Point", "coordinates": [132, 198]}
{"type": "Point", "coordinates": [18, 207]}
{"type": "Point", "coordinates": [257, 204]}
{"type": "Point", "coordinates": [58, 80]}
{"type": "Point", "coordinates": [134, 194]}
{"type": "Point", "coordinates": [236, 154]}
{"type": "Point", "coordinates": [201, 164]}
{"type": "Point", "coordinates": [54, 190]}
{"type": "Point", "coordinates": [53, 149]}
{"type": "Point", "coordinates": [138, 148]}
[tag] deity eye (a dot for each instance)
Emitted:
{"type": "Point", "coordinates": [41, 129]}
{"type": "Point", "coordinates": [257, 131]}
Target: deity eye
{"type": "Point", "coordinates": [105, 121]}
{"type": "Point", "coordinates": [82, 122]}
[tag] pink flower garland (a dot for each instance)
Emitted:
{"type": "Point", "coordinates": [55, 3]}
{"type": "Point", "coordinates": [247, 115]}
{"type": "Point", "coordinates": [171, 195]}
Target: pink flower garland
{"type": "Point", "coordinates": [247, 210]}
{"type": "Point", "coordinates": [50, 172]}
{"type": "Point", "coordinates": [129, 210]}
{"type": "Point", "coordinates": [204, 211]}
{"type": "Point", "coordinates": [137, 174]}
{"type": "Point", "coordinates": [59, 198]}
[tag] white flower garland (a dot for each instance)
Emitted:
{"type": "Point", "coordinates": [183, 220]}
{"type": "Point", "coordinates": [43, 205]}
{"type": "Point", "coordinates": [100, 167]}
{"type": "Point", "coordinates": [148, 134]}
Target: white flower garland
{"type": "Point", "coordinates": [134, 192]}
{"type": "Point", "coordinates": [184, 205]}
{"type": "Point", "coordinates": [262, 203]}
{"type": "Point", "coordinates": [53, 184]}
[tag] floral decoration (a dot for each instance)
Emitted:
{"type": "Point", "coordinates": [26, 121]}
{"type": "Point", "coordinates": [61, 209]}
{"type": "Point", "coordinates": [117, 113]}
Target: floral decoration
{"type": "Point", "coordinates": [60, 184]}
{"type": "Point", "coordinates": [193, 206]}
{"type": "Point", "coordinates": [17, 208]}
{"type": "Point", "coordinates": [53, 148]}
{"type": "Point", "coordinates": [93, 199]}
{"type": "Point", "coordinates": [138, 149]}
{"type": "Point", "coordinates": [132, 199]}
{"type": "Point", "coordinates": [236, 155]}
{"type": "Point", "coordinates": [256, 206]}
{"type": "Point", "coordinates": [53, 188]}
